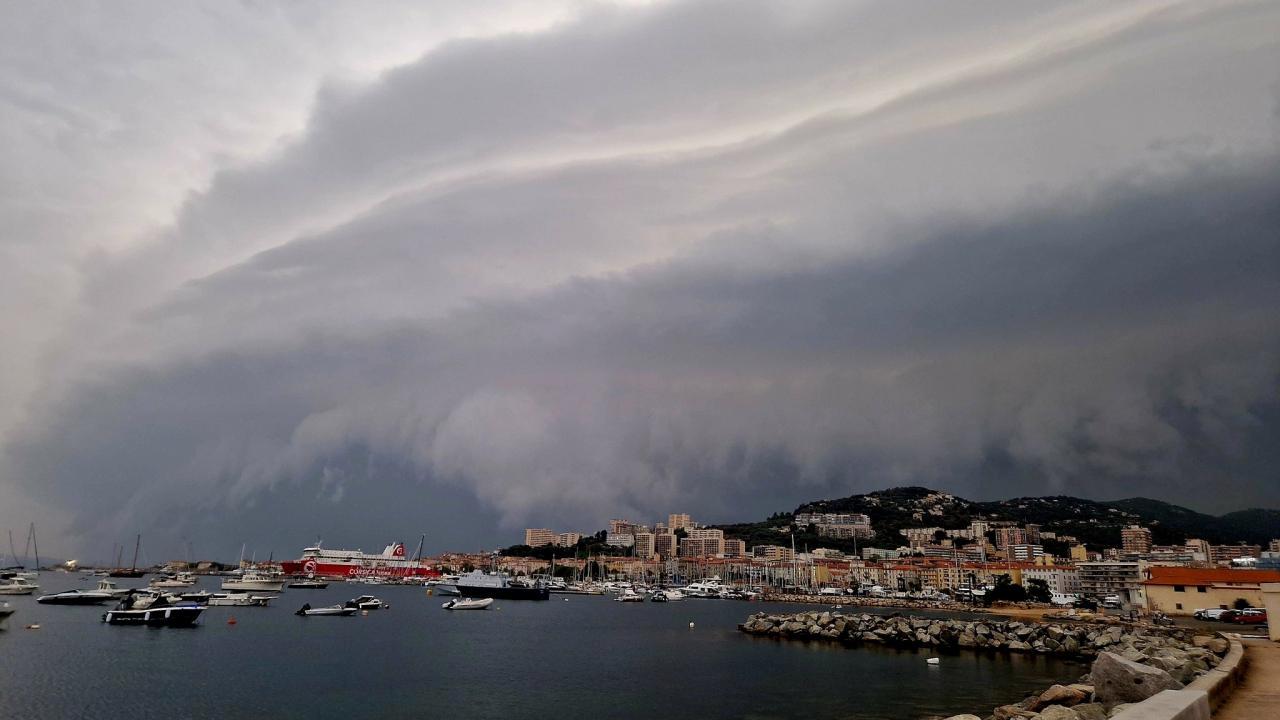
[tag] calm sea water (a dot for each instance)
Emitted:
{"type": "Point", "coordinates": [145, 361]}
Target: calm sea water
{"type": "Point", "coordinates": [589, 657]}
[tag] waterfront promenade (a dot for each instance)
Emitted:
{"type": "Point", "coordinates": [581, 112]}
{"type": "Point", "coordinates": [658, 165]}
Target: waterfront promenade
{"type": "Point", "coordinates": [1259, 695]}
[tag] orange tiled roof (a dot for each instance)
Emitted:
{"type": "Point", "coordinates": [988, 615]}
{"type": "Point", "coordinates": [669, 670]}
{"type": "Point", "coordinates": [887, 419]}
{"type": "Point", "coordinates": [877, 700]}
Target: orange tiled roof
{"type": "Point", "coordinates": [1161, 575]}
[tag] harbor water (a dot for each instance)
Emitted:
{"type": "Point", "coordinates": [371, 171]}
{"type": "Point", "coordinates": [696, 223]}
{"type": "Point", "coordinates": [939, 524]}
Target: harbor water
{"type": "Point", "coordinates": [587, 657]}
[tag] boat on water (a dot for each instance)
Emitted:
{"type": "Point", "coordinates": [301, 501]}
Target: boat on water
{"type": "Point", "coordinates": [196, 596]}
{"type": "Point", "coordinates": [133, 571]}
{"type": "Point", "coordinates": [308, 584]}
{"type": "Point", "coordinates": [468, 604]}
{"type": "Point", "coordinates": [5, 611]}
{"type": "Point", "coordinates": [667, 595]}
{"type": "Point", "coordinates": [182, 579]}
{"type": "Point", "coordinates": [391, 564]}
{"type": "Point", "coordinates": [159, 611]}
{"type": "Point", "coordinates": [367, 602]}
{"type": "Point", "coordinates": [330, 610]}
{"type": "Point", "coordinates": [240, 599]}
{"type": "Point", "coordinates": [659, 596]}
{"type": "Point", "coordinates": [75, 597]}
{"type": "Point", "coordinates": [254, 580]}
{"type": "Point", "coordinates": [481, 584]}
{"type": "Point", "coordinates": [629, 595]}
{"type": "Point", "coordinates": [106, 586]}
{"type": "Point", "coordinates": [17, 585]}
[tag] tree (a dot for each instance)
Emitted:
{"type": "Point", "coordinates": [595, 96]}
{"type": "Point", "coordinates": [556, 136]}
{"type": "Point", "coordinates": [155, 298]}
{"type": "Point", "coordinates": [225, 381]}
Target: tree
{"type": "Point", "coordinates": [1007, 590]}
{"type": "Point", "coordinates": [1038, 591]}
{"type": "Point", "coordinates": [1240, 604]}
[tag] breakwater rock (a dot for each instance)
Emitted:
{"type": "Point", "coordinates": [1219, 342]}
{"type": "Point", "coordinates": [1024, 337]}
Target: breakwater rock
{"type": "Point", "coordinates": [1073, 640]}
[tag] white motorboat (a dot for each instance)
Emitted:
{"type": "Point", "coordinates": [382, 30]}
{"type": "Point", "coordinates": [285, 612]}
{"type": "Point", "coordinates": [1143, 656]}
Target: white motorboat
{"type": "Point", "coordinates": [367, 602]}
{"type": "Point", "coordinates": [629, 595]}
{"type": "Point", "coordinates": [161, 610]}
{"type": "Point", "coordinates": [17, 585]}
{"type": "Point", "coordinates": [468, 604]}
{"type": "Point", "coordinates": [107, 586]}
{"type": "Point", "coordinates": [239, 600]}
{"type": "Point", "coordinates": [667, 596]}
{"type": "Point", "coordinates": [330, 610]}
{"type": "Point", "coordinates": [75, 597]}
{"type": "Point", "coordinates": [182, 579]}
{"type": "Point", "coordinates": [199, 596]}
{"type": "Point", "coordinates": [308, 584]}
{"type": "Point", "coordinates": [254, 581]}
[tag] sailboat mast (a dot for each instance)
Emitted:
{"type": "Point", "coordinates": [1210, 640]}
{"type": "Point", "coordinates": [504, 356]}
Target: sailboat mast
{"type": "Point", "coordinates": [35, 545]}
{"type": "Point", "coordinates": [137, 545]}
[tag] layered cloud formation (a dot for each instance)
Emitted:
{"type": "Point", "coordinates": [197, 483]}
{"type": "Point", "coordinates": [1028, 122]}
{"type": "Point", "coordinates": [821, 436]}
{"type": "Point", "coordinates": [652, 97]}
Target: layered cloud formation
{"type": "Point", "coordinates": [620, 260]}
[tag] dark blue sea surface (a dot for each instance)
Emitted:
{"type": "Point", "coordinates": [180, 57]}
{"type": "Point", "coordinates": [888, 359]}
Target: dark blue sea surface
{"type": "Point", "coordinates": [588, 657]}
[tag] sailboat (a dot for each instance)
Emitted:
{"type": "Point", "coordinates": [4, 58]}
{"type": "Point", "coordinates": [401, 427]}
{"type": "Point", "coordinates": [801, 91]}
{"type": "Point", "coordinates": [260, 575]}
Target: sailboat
{"type": "Point", "coordinates": [131, 571]}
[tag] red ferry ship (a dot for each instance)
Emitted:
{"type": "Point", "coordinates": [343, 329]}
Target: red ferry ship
{"type": "Point", "coordinates": [391, 564]}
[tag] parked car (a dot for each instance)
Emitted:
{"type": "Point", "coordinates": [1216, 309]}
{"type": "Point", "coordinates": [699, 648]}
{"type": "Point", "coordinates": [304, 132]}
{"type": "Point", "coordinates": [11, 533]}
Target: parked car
{"type": "Point", "coordinates": [1209, 613]}
{"type": "Point", "coordinates": [1250, 616]}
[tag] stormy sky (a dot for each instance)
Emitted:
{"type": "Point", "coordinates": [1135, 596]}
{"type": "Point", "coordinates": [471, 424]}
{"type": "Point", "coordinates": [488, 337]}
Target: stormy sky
{"type": "Point", "coordinates": [360, 271]}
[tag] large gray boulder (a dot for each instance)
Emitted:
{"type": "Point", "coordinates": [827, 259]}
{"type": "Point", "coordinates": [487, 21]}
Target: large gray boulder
{"type": "Point", "coordinates": [1119, 680]}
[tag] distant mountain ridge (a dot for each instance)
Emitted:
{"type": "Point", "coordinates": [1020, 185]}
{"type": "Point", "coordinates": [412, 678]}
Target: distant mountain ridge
{"type": "Point", "coordinates": [1094, 522]}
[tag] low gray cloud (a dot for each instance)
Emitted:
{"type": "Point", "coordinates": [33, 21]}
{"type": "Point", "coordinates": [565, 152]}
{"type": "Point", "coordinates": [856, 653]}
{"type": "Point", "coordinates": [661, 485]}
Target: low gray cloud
{"type": "Point", "coordinates": [704, 256]}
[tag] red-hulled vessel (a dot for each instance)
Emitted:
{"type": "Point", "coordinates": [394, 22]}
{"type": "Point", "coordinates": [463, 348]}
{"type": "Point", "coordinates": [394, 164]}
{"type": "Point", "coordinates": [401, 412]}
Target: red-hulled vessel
{"type": "Point", "coordinates": [392, 564]}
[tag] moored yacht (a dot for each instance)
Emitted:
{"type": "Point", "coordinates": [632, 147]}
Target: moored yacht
{"type": "Point", "coordinates": [75, 597]}
{"type": "Point", "coordinates": [17, 585]}
{"type": "Point", "coordinates": [480, 584]}
{"type": "Point", "coordinates": [253, 580]}
{"type": "Point", "coordinates": [159, 610]}
{"type": "Point", "coordinates": [182, 579]}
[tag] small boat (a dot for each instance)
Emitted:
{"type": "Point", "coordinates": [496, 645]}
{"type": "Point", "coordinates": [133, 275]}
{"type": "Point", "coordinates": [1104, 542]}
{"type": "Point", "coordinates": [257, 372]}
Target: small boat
{"type": "Point", "coordinates": [17, 585]}
{"type": "Point", "coordinates": [308, 584]}
{"type": "Point", "coordinates": [182, 579]}
{"type": "Point", "coordinates": [5, 611]}
{"type": "Point", "coordinates": [629, 595]}
{"type": "Point", "coordinates": [667, 596]}
{"type": "Point", "coordinates": [659, 596]}
{"type": "Point", "coordinates": [367, 602]}
{"type": "Point", "coordinates": [135, 609]}
{"type": "Point", "coordinates": [254, 581]}
{"type": "Point", "coordinates": [106, 586]}
{"type": "Point", "coordinates": [239, 600]}
{"type": "Point", "coordinates": [933, 660]}
{"type": "Point", "coordinates": [468, 604]}
{"type": "Point", "coordinates": [75, 597]}
{"type": "Point", "coordinates": [330, 610]}
{"type": "Point", "coordinates": [197, 596]}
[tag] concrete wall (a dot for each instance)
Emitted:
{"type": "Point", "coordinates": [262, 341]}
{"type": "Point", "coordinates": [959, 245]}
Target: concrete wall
{"type": "Point", "coordinates": [1165, 599]}
{"type": "Point", "coordinates": [1271, 601]}
{"type": "Point", "coordinates": [1170, 705]}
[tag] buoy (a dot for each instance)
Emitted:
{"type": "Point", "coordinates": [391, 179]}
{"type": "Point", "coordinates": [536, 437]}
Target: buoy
{"type": "Point", "coordinates": [690, 625]}
{"type": "Point", "coordinates": [231, 620]}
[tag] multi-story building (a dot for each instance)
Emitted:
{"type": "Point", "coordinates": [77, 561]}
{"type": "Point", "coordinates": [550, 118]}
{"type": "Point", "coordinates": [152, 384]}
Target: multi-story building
{"type": "Point", "coordinates": [1079, 553]}
{"type": "Point", "coordinates": [537, 537]}
{"type": "Point", "coordinates": [1006, 536]}
{"type": "Point", "coordinates": [1200, 549]}
{"type": "Point", "coordinates": [734, 548]}
{"type": "Point", "coordinates": [837, 525]}
{"type": "Point", "coordinates": [1114, 577]}
{"type": "Point", "coordinates": [874, 553]}
{"type": "Point", "coordinates": [1223, 554]}
{"type": "Point", "coordinates": [702, 542]}
{"type": "Point", "coordinates": [620, 539]}
{"type": "Point", "coordinates": [1135, 540]}
{"type": "Point", "coordinates": [1061, 580]}
{"type": "Point", "coordinates": [678, 521]}
{"type": "Point", "coordinates": [622, 527]}
{"type": "Point", "coordinates": [1182, 590]}
{"type": "Point", "coordinates": [917, 537]}
{"type": "Point", "coordinates": [568, 539]}
{"type": "Point", "coordinates": [666, 545]}
{"type": "Point", "coordinates": [1024, 552]}
{"type": "Point", "coordinates": [644, 544]}
{"type": "Point", "coordinates": [772, 552]}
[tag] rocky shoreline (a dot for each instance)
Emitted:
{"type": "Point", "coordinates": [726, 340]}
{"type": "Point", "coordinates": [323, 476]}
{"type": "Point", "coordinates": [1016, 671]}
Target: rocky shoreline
{"type": "Point", "coordinates": [1129, 663]}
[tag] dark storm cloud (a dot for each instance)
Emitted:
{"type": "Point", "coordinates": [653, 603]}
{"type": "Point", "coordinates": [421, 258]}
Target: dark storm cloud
{"type": "Point", "coordinates": [1130, 338]}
